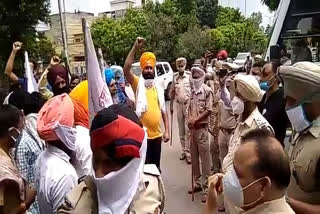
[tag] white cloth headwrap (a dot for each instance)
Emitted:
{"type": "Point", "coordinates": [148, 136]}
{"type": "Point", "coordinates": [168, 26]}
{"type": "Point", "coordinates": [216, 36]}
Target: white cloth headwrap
{"type": "Point", "coordinates": [67, 135]}
{"type": "Point", "coordinates": [141, 97]}
{"type": "Point", "coordinates": [117, 189]}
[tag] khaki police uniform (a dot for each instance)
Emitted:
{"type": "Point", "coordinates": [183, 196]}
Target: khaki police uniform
{"type": "Point", "coordinates": [149, 199]}
{"type": "Point", "coordinates": [304, 154]}
{"type": "Point", "coordinates": [278, 206]}
{"type": "Point", "coordinates": [200, 149]}
{"type": "Point", "coordinates": [182, 90]}
{"type": "Point", "coordinates": [254, 121]}
{"type": "Point", "coordinates": [227, 125]}
{"type": "Point", "coordinates": [214, 123]}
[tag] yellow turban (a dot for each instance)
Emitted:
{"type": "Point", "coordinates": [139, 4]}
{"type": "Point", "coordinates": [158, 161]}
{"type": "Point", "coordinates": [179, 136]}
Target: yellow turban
{"type": "Point", "coordinates": [81, 94]}
{"type": "Point", "coordinates": [147, 59]}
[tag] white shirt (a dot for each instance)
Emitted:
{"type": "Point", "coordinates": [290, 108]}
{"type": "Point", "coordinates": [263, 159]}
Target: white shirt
{"type": "Point", "coordinates": [54, 178]}
{"type": "Point", "coordinates": [83, 159]}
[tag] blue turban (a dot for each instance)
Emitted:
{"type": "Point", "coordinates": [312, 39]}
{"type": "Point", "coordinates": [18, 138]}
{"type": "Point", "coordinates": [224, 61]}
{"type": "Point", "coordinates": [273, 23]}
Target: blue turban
{"type": "Point", "coordinates": [109, 75]}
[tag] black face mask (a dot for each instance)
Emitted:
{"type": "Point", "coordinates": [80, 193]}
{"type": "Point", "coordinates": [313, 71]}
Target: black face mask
{"type": "Point", "coordinates": [148, 75]}
{"type": "Point", "coordinates": [59, 91]}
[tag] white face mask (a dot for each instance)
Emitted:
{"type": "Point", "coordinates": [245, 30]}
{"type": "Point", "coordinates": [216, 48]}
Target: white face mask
{"type": "Point", "coordinates": [237, 105]}
{"type": "Point", "coordinates": [197, 83]}
{"type": "Point", "coordinates": [298, 119]}
{"type": "Point", "coordinates": [148, 83]}
{"type": "Point", "coordinates": [233, 190]}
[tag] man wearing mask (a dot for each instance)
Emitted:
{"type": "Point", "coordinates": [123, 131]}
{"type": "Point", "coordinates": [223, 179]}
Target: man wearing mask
{"type": "Point", "coordinates": [273, 102]}
{"type": "Point", "coordinates": [150, 102]}
{"type": "Point", "coordinates": [302, 92]}
{"type": "Point", "coordinates": [248, 64]}
{"type": "Point", "coordinates": [16, 194]}
{"type": "Point", "coordinates": [258, 179]}
{"type": "Point", "coordinates": [54, 174]}
{"type": "Point", "coordinates": [198, 110]}
{"type": "Point", "coordinates": [121, 182]}
{"type": "Point", "coordinates": [180, 95]}
{"type": "Point", "coordinates": [247, 94]}
{"type": "Point", "coordinates": [10, 64]}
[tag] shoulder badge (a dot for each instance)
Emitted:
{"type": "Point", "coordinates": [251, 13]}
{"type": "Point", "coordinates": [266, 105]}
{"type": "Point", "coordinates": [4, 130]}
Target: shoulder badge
{"type": "Point", "coordinates": [263, 125]}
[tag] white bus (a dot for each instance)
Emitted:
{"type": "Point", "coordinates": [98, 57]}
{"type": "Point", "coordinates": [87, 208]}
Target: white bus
{"type": "Point", "coordinates": [296, 32]}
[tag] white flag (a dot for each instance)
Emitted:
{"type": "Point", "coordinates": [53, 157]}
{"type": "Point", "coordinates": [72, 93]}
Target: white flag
{"type": "Point", "coordinates": [99, 94]}
{"type": "Point", "coordinates": [31, 81]}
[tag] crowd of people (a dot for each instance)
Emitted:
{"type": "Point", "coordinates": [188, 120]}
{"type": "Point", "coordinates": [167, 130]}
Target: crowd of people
{"type": "Point", "coordinates": [233, 130]}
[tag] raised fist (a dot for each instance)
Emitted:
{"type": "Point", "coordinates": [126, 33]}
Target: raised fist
{"type": "Point", "coordinates": [16, 46]}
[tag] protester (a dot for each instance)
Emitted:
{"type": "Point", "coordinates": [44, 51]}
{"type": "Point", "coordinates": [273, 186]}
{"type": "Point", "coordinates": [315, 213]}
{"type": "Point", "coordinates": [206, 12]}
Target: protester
{"type": "Point", "coordinates": [244, 104]}
{"type": "Point", "coordinates": [248, 64]}
{"type": "Point", "coordinates": [213, 123]}
{"type": "Point", "coordinates": [180, 94]}
{"type": "Point", "coordinates": [58, 78]}
{"type": "Point", "coordinates": [9, 67]}
{"type": "Point", "coordinates": [198, 111]}
{"type": "Point", "coordinates": [302, 92]}
{"type": "Point", "coordinates": [150, 102]}
{"type": "Point", "coordinates": [54, 174]}
{"type": "Point", "coordinates": [81, 94]}
{"type": "Point", "coordinates": [273, 102]}
{"type": "Point", "coordinates": [75, 80]}
{"type": "Point", "coordinates": [16, 194]}
{"type": "Point", "coordinates": [121, 183]}
{"type": "Point", "coordinates": [258, 179]}
{"type": "Point", "coordinates": [30, 145]}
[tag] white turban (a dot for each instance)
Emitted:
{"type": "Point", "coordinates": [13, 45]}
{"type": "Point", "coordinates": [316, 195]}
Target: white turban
{"type": "Point", "coordinates": [248, 87]}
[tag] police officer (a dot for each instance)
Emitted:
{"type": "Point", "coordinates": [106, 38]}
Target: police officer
{"type": "Point", "coordinates": [302, 92]}
{"type": "Point", "coordinates": [121, 182]}
{"type": "Point", "coordinates": [247, 94]}
{"type": "Point", "coordinates": [180, 94]}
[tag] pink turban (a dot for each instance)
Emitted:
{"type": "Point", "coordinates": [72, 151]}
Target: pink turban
{"type": "Point", "coordinates": [56, 120]}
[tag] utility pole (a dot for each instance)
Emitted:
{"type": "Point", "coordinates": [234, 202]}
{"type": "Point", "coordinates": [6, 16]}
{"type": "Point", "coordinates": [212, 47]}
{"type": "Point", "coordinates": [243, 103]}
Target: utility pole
{"type": "Point", "coordinates": [63, 32]}
{"type": "Point", "coordinates": [245, 8]}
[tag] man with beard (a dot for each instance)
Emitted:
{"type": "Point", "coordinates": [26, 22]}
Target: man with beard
{"type": "Point", "coordinates": [120, 183]}
{"type": "Point", "coordinates": [150, 102]}
{"type": "Point", "coordinates": [198, 110]}
{"type": "Point", "coordinates": [58, 79]}
{"type": "Point", "coordinates": [180, 95]}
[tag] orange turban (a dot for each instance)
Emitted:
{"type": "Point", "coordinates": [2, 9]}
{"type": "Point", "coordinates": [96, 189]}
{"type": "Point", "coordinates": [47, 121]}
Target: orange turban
{"type": "Point", "coordinates": [58, 111]}
{"type": "Point", "coordinates": [81, 94]}
{"type": "Point", "coordinates": [81, 115]}
{"type": "Point", "coordinates": [147, 59]}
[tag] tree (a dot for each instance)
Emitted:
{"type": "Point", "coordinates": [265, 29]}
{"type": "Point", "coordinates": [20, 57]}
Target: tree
{"type": "Point", "coordinates": [272, 4]}
{"type": "Point", "coordinates": [18, 19]}
{"type": "Point", "coordinates": [227, 16]}
{"type": "Point", "coordinates": [256, 19]}
{"type": "Point", "coordinates": [193, 43]}
{"type": "Point", "coordinates": [207, 11]}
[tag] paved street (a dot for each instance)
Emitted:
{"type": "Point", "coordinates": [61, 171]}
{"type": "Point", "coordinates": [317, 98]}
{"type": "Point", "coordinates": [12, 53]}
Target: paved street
{"type": "Point", "coordinates": [177, 179]}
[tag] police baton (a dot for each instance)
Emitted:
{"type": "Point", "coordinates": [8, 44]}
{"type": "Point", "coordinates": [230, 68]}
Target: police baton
{"type": "Point", "coordinates": [192, 181]}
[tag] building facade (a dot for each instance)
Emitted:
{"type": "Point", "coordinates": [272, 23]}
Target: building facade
{"type": "Point", "coordinates": [75, 37]}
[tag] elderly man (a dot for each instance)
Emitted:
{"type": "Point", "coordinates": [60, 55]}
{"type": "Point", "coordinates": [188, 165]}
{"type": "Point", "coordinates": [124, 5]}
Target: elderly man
{"type": "Point", "coordinates": [180, 95]}
{"type": "Point", "coordinates": [244, 104]}
{"type": "Point", "coordinates": [121, 183]}
{"type": "Point", "coordinates": [258, 179]}
{"type": "Point", "coordinates": [54, 174]}
{"type": "Point", "coordinates": [150, 102]}
{"type": "Point", "coordinates": [302, 92]}
{"type": "Point", "coordinates": [198, 111]}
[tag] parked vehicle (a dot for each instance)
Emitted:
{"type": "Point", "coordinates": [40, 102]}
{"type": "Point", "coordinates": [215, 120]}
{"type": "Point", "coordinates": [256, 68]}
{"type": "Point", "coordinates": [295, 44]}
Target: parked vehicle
{"type": "Point", "coordinates": [163, 72]}
{"type": "Point", "coordinates": [241, 58]}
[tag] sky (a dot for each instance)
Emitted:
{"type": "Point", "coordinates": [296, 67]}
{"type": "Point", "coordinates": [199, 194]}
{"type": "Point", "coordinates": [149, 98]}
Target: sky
{"type": "Point", "coordinates": [98, 6]}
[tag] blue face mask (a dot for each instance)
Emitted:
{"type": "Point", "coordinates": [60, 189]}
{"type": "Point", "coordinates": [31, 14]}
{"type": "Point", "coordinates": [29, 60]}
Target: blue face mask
{"type": "Point", "coordinates": [264, 85]}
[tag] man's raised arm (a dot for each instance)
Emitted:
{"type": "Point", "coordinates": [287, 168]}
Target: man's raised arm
{"type": "Point", "coordinates": [130, 59]}
{"type": "Point", "coordinates": [9, 68]}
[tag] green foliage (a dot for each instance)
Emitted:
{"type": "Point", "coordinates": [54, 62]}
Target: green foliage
{"type": "Point", "coordinates": [18, 19]}
{"type": "Point", "coordinates": [179, 28]}
{"type": "Point", "coordinates": [272, 4]}
{"type": "Point", "coordinates": [207, 11]}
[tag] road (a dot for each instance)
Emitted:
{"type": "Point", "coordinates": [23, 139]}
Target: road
{"type": "Point", "coordinates": [176, 175]}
